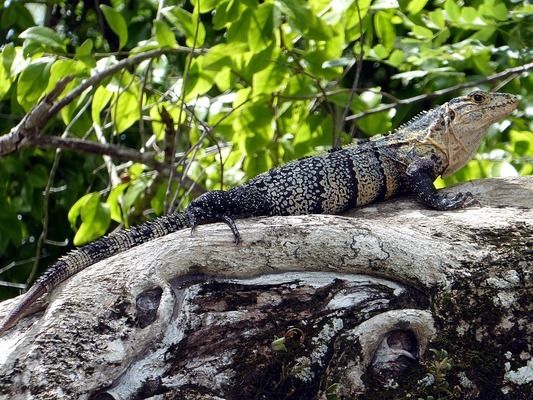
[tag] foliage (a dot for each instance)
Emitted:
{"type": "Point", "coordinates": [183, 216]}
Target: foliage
{"type": "Point", "coordinates": [248, 84]}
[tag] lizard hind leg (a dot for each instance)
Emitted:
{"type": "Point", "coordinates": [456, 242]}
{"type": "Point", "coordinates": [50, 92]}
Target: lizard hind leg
{"type": "Point", "coordinates": [215, 206]}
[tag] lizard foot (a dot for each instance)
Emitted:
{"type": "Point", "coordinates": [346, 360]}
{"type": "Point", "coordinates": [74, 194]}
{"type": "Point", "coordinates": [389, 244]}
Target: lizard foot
{"type": "Point", "coordinates": [459, 200]}
{"type": "Point", "coordinates": [215, 206]}
{"type": "Point", "coordinates": [196, 218]}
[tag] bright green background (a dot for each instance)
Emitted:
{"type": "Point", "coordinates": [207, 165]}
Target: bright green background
{"type": "Point", "coordinates": [271, 86]}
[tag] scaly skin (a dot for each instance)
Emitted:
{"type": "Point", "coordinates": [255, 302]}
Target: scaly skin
{"type": "Point", "coordinates": [437, 142]}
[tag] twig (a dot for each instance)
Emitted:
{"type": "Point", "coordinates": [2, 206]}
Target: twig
{"type": "Point", "coordinates": [209, 133]}
{"type": "Point", "coordinates": [44, 232]}
{"type": "Point", "coordinates": [126, 63]}
{"type": "Point", "coordinates": [108, 160]}
{"type": "Point", "coordinates": [168, 203]}
{"type": "Point", "coordinates": [46, 196]}
{"type": "Point", "coordinates": [13, 285]}
{"type": "Point", "coordinates": [170, 135]}
{"type": "Point", "coordinates": [495, 77]}
{"type": "Point", "coordinates": [358, 68]}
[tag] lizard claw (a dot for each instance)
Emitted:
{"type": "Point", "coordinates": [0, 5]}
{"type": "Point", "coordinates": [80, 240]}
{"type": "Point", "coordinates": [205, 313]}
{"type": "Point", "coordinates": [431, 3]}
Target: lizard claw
{"type": "Point", "coordinates": [231, 223]}
{"type": "Point", "coordinates": [459, 200]}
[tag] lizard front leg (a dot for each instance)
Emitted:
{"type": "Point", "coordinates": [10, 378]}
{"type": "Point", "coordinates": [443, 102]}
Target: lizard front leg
{"type": "Point", "coordinates": [420, 181]}
{"type": "Point", "coordinates": [215, 206]}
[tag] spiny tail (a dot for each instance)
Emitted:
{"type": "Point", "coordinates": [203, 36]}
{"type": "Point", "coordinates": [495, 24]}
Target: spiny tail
{"type": "Point", "coordinates": [90, 254]}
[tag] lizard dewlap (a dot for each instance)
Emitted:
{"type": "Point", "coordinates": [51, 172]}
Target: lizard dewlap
{"type": "Point", "coordinates": [437, 142]}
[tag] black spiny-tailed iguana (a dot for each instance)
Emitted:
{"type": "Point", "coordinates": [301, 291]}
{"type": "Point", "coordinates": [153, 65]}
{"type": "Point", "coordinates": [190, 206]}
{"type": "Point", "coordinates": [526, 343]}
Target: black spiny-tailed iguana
{"type": "Point", "coordinates": [437, 142]}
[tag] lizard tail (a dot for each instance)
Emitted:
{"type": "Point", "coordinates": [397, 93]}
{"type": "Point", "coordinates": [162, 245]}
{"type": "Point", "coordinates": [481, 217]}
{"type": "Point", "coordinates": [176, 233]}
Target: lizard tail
{"type": "Point", "coordinates": [14, 315]}
{"type": "Point", "coordinates": [91, 253]}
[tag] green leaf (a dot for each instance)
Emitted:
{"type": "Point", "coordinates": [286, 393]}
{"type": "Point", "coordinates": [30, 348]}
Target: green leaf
{"type": "Point", "coordinates": [186, 23]}
{"type": "Point", "coordinates": [300, 85]}
{"type": "Point", "coordinates": [44, 36]}
{"type": "Point", "coordinates": [5, 79]}
{"type": "Point", "coordinates": [84, 53]}
{"type": "Point", "coordinates": [94, 215]}
{"type": "Point", "coordinates": [199, 80]}
{"type": "Point", "coordinates": [522, 142]}
{"type": "Point", "coordinates": [438, 18]}
{"type": "Point", "coordinates": [269, 80]}
{"type": "Point", "coordinates": [469, 14]}
{"type": "Point", "coordinates": [117, 23]}
{"type": "Point", "coordinates": [164, 34]}
{"type": "Point", "coordinates": [422, 32]}
{"type": "Point", "coordinates": [375, 123]}
{"type": "Point", "coordinates": [8, 56]}
{"type": "Point", "coordinates": [314, 132]}
{"type": "Point", "coordinates": [238, 30]}
{"type": "Point", "coordinates": [135, 189]}
{"type": "Point", "coordinates": [16, 14]}
{"type": "Point", "coordinates": [100, 99]}
{"type": "Point", "coordinates": [85, 49]}
{"type": "Point", "coordinates": [227, 11]}
{"type": "Point", "coordinates": [157, 203]}
{"type": "Point", "coordinates": [380, 52]}
{"type": "Point", "coordinates": [484, 34]}
{"type": "Point", "coordinates": [33, 81]}
{"type": "Point", "coordinates": [64, 67]}
{"type": "Point", "coordinates": [257, 163]}
{"type": "Point", "coordinates": [303, 19]}
{"type": "Point", "coordinates": [219, 56]}
{"type": "Point", "coordinates": [125, 111]}
{"type": "Point", "coordinates": [205, 5]}
{"type": "Point", "coordinates": [136, 170]}
{"type": "Point", "coordinates": [442, 37]}
{"type": "Point", "coordinates": [254, 127]}
{"type": "Point", "coordinates": [254, 62]}
{"type": "Point", "coordinates": [453, 10]}
{"type": "Point", "coordinates": [61, 69]}
{"type": "Point", "coordinates": [500, 12]}
{"type": "Point", "coordinates": [415, 6]}
{"type": "Point", "coordinates": [396, 58]}
{"type": "Point", "coordinates": [114, 202]}
{"type": "Point", "coordinates": [384, 29]}
{"type": "Point", "coordinates": [264, 21]}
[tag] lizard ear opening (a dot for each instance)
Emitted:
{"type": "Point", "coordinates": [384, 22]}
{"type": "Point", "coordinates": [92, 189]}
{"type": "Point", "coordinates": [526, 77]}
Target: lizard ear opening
{"type": "Point", "coordinates": [451, 114]}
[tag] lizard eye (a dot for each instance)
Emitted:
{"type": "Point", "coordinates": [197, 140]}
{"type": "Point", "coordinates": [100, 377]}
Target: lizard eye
{"type": "Point", "coordinates": [478, 97]}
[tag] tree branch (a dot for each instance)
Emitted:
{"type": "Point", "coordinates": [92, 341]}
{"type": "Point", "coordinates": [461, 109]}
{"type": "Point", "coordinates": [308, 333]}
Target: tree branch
{"type": "Point", "coordinates": [19, 137]}
{"type": "Point", "coordinates": [495, 77]}
{"type": "Point", "coordinates": [27, 129]}
{"type": "Point", "coordinates": [87, 146]}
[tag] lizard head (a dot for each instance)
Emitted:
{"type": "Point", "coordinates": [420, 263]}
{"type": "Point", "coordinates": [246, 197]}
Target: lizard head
{"type": "Point", "coordinates": [467, 119]}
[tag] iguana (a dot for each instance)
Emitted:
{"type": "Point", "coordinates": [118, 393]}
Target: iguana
{"type": "Point", "coordinates": [436, 142]}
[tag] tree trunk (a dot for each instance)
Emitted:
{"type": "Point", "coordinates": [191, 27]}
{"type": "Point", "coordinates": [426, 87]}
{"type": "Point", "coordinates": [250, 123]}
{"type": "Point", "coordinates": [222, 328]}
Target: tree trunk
{"type": "Point", "coordinates": [386, 302]}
